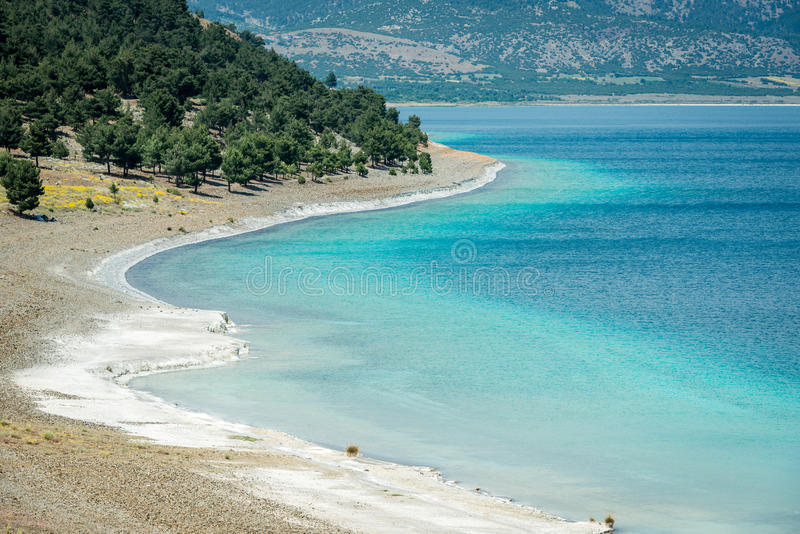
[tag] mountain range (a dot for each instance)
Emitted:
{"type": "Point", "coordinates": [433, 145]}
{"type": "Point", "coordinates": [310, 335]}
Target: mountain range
{"type": "Point", "coordinates": [518, 50]}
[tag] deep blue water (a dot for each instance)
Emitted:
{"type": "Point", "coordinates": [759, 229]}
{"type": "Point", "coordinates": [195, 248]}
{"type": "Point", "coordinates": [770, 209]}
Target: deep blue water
{"type": "Point", "coordinates": [613, 325]}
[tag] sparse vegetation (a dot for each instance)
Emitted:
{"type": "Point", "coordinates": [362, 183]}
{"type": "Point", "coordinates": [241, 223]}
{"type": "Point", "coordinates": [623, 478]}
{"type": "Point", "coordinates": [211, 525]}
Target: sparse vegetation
{"type": "Point", "coordinates": [609, 520]}
{"type": "Point", "coordinates": [244, 438]}
{"type": "Point", "coordinates": [352, 450]}
{"type": "Point", "coordinates": [114, 190]}
{"type": "Point", "coordinates": [89, 203]}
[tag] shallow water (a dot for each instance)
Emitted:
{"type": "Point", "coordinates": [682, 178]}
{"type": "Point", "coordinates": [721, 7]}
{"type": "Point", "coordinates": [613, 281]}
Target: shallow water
{"type": "Point", "coordinates": [611, 326]}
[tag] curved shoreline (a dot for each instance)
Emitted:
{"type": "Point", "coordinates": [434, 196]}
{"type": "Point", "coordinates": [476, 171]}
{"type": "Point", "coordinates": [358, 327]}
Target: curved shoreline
{"type": "Point", "coordinates": [112, 270]}
{"type": "Point", "coordinates": [182, 338]}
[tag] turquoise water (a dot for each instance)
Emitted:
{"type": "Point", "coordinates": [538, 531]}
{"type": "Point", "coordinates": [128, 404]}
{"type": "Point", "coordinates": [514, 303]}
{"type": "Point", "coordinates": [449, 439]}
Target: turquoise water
{"type": "Point", "coordinates": [610, 326]}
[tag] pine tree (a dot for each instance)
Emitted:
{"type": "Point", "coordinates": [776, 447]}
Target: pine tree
{"type": "Point", "coordinates": [22, 183]}
{"type": "Point", "coordinates": [36, 142]}
{"type": "Point", "coordinates": [330, 80]}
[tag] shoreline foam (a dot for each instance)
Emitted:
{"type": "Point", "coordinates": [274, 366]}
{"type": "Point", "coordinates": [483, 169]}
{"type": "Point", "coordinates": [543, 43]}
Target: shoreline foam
{"type": "Point", "coordinates": [346, 491]}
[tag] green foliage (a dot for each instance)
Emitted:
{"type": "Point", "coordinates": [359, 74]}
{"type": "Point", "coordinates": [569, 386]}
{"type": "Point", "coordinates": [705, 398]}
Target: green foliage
{"type": "Point", "coordinates": [361, 169]}
{"type": "Point", "coordinates": [59, 150]}
{"type": "Point", "coordinates": [36, 141]}
{"type": "Point", "coordinates": [114, 190]}
{"type": "Point", "coordinates": [89, 203]}
{"type": "Point", "coordinates": [69, 62]}
{"type": "Point", "coordinates": [97, 139]}
{"type": "Point", "coordinates": [236, 168]}
{"type": "Point", "coordinates": [330, 80]}
{"type": "Point", "coordinates": [392, 172]}
{"type": "Point", "coordinates": [10, 126]}
{"type": "Point", "coordinates": [301, 179]}
{"type": "Point", "coordinates": [21, 182]}
{"type": "Point", "coordinates": [161, 108]}
{"type": "Point", "coordinates": [153, 146]}
{"type": "Point", "coordinates": [425, 163]}
{"type": "Point", "coordinates": [104, 103]}
{"type": "Point", "coordinates": [124, 150]}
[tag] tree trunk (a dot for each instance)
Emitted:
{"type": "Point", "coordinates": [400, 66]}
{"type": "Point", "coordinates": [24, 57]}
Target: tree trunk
{"type": "Point", "coordinates": [229, 187]}
{"type": "Point", "coordinates": [37, 161]}
{"type": "Point", "coordinates": [195, 186]}
{"type": "Point", "coordinates": [108, 166]}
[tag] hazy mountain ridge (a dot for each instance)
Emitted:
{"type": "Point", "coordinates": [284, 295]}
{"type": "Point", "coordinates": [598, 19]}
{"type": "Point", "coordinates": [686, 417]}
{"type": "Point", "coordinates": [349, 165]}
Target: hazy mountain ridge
{"type": "Point", "coordinates": [513, 47]}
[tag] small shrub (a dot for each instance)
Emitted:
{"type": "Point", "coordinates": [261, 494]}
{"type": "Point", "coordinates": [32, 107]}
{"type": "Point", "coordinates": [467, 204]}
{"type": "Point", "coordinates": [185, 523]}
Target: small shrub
{"type": "Point", "coordinates": [182, 229]}
{"type": "Point", "coordinates": [169, 228]}
{"type": "Point", "coordinates": [393, 172]}
{"type": "Point", "coordinates": [89, 203]}
{"type": "Point", "coordinates": [301, 179]}
{"type": "Point", "coordinates": [155, 199]}
{"type": "Point", "coordinates": [114, 190]}
{"type": "Point", "coordinates": [227, 456]}
{"type": "Point", "coordinates": [48, 436]}
{"type": "Point", "coordinates": [173, 191]}
{"type": "Point", "coordinates": [244, 438]}
{"type": "Point", "coordinates": [609, 521]}
{"type": "Point", "coordinates": [95, 228]}
{"type": "Point", "coordinates": [328, 179]}
{"type": "Point", "coordinates": [169, 215]}
{"type": "Point", "coordinates": [230, 219]}
{"type": "Point", "coordinates": [352, 450]}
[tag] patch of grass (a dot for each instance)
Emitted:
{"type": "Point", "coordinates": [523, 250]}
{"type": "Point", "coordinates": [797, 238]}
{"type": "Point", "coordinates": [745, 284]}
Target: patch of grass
{"type": "Point", "coordinates": [155, 200]}
{"type": "Point", "coordinates": [397, 494]}
{"type": "Point", "coordinates": [244, 438]}
{"type": "Point", "coordinates": [227, 456]}
{"type": "Point", "coordinates": [182, 229]}
{"type": "Point", "coordinates": [230, 219]}
{"type": "Point", "coordinates": [95, 228]}
{"type": "Point", "coordinates": [352, 450]}
{"type": "Point", "coordinates": [173, 191]}
{"type": "Point", "coordinates": [169, 228]}
{"type": "Point", "coordinates": [49, 436]}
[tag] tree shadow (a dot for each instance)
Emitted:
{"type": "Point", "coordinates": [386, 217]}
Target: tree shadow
{"type": "Point", "coordinates": [201, 193]}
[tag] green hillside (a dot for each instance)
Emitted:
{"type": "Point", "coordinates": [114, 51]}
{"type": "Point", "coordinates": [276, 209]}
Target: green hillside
{"type": "Point", "coordinates": [146, 82]}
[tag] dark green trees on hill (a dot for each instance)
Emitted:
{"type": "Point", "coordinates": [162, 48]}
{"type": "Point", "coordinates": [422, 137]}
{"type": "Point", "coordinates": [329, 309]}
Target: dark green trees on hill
{"type": "Point", "coordinates": [145, 83]}
{"type": "Point", "coordinates": [10, 127]}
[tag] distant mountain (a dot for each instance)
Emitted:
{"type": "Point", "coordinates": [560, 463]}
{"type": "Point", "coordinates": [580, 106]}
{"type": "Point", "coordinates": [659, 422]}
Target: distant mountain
{"type": "Point", "coordinates": [515, 49]}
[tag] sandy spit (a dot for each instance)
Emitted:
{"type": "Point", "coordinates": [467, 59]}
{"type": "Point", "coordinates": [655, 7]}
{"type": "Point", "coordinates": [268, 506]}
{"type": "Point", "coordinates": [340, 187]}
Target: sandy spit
{"type": "Point", "coordinates": [81, 451]}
